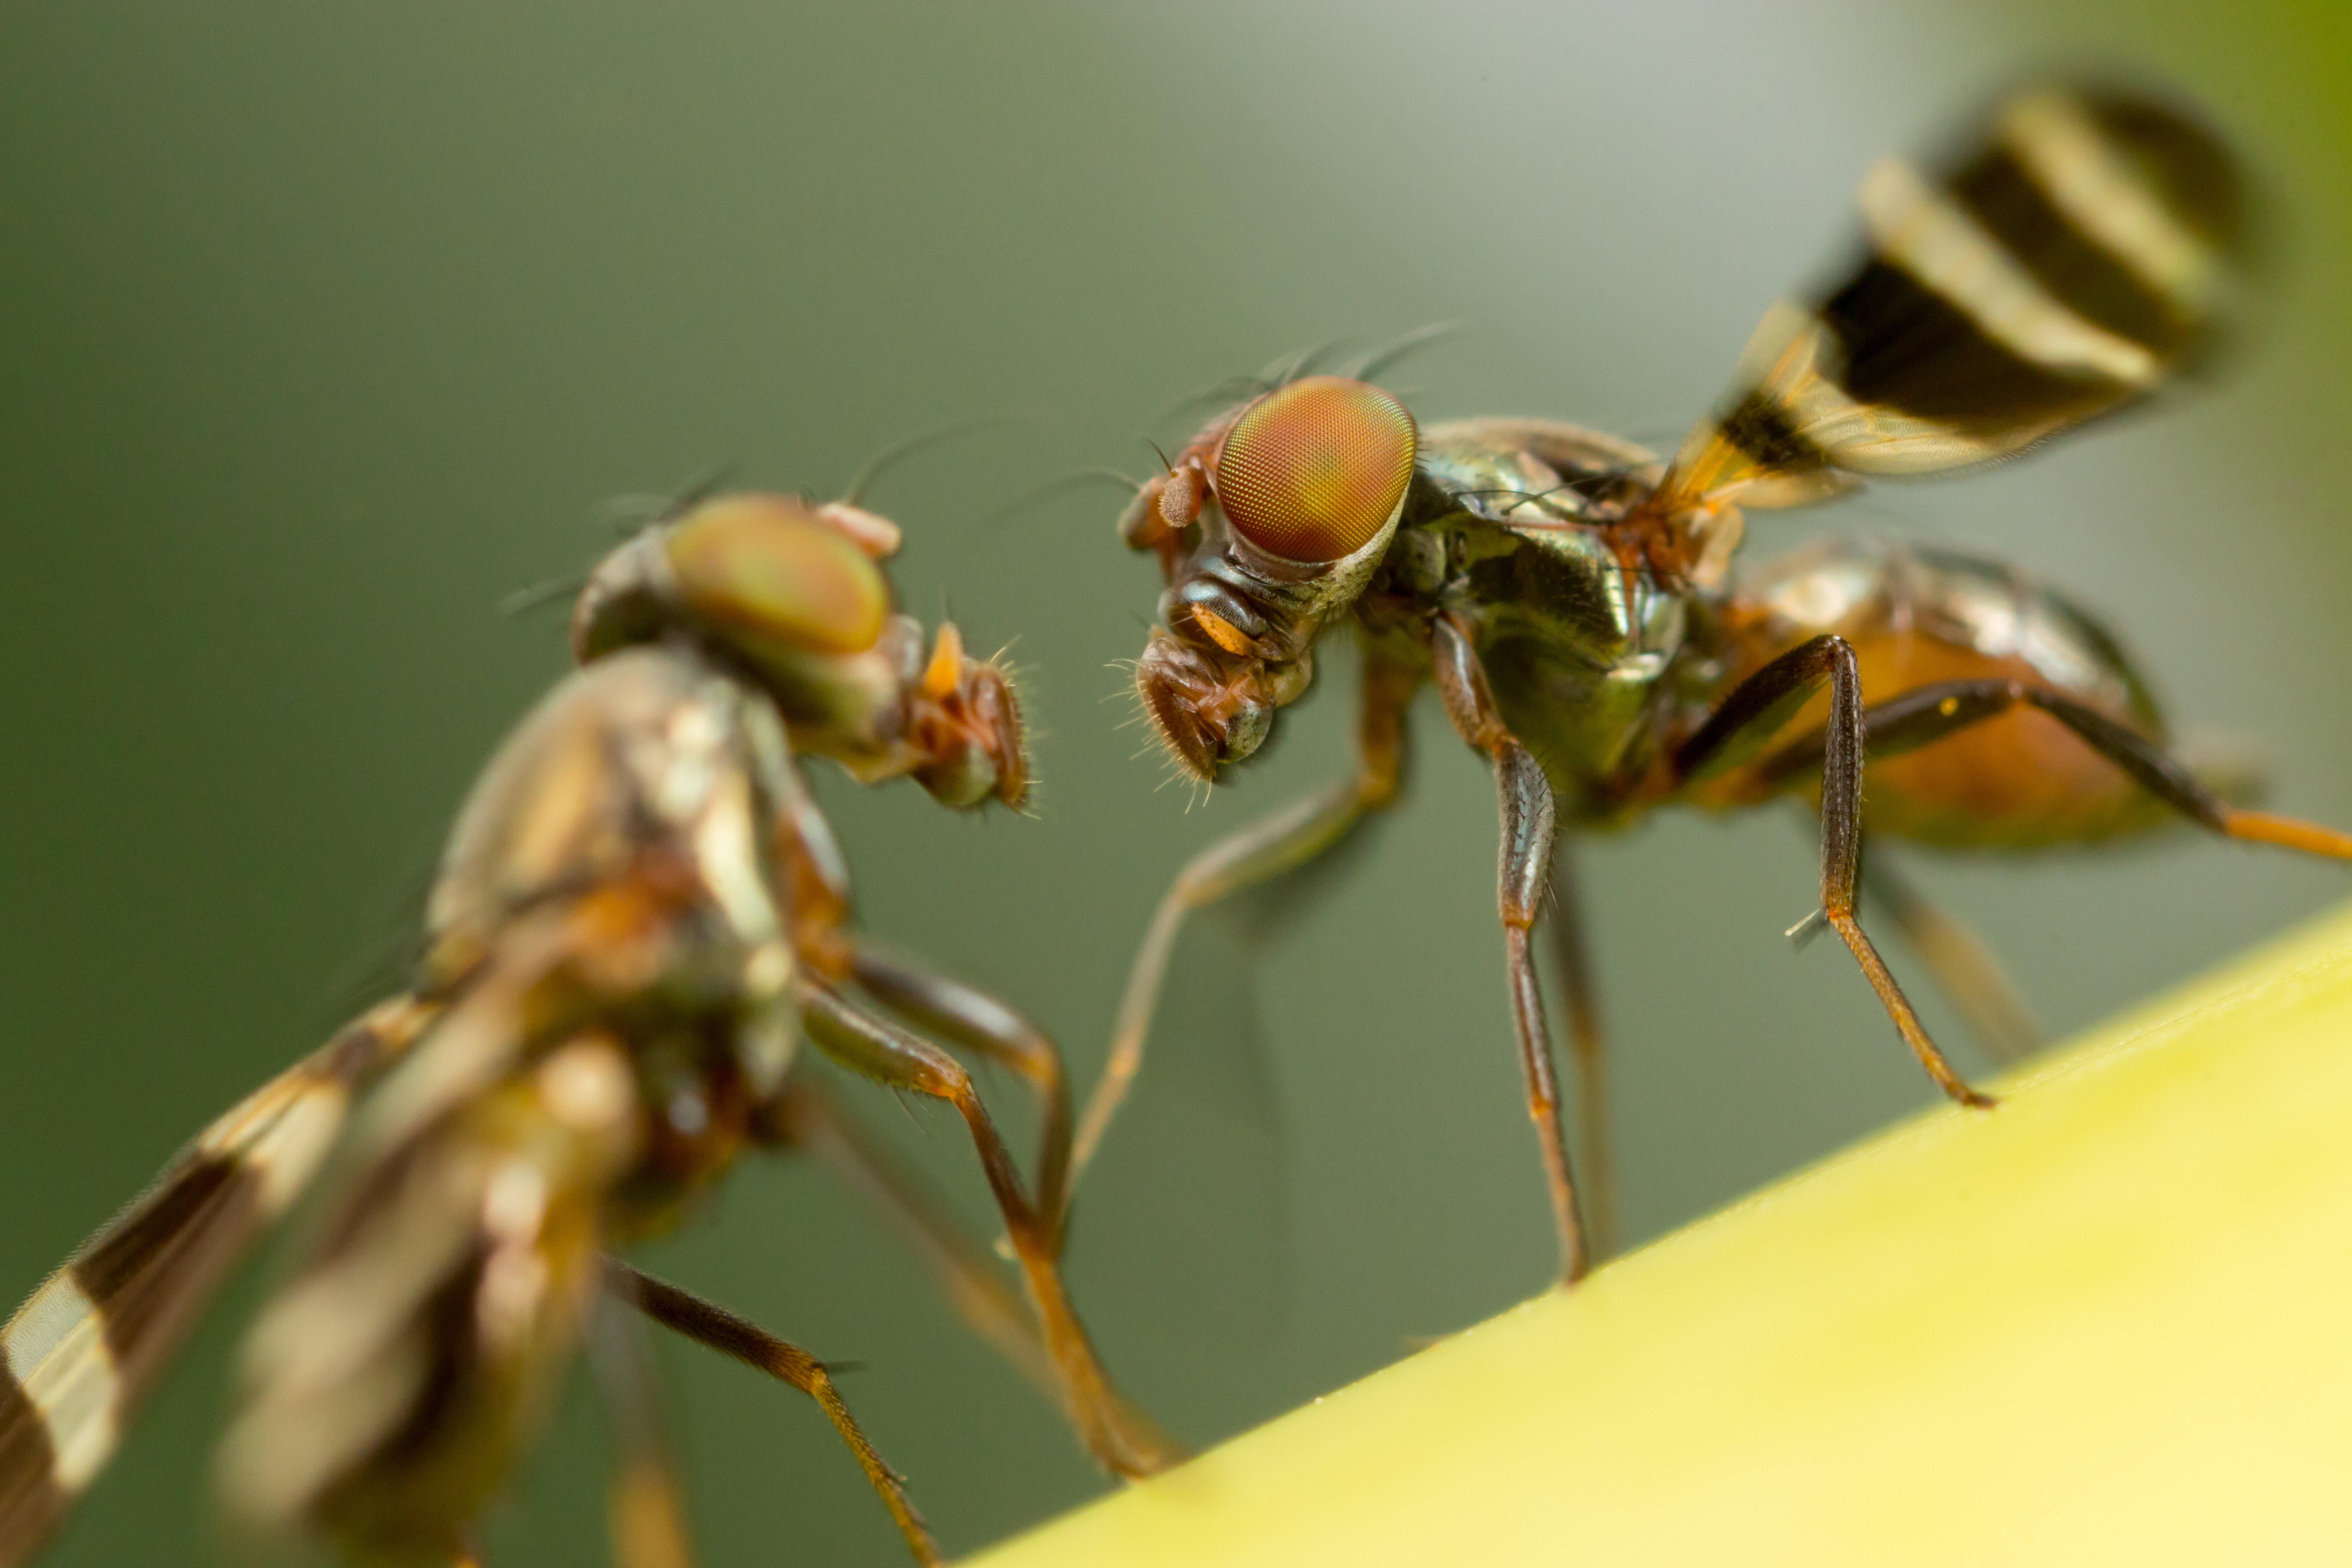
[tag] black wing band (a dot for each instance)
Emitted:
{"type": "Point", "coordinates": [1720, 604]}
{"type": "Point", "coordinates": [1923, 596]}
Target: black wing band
{"type": "Point", "coordinates": [2072, 255]}
{"type": "Point", "coordinates": [92, 1343]}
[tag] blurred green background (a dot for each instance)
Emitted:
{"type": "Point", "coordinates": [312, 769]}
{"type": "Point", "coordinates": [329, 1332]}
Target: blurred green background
{"type": "Point", "coordinates": [323, 328]}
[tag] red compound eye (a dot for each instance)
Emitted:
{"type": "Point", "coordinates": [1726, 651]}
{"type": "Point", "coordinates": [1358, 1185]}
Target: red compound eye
{"type": "Point", "coordinates": [1313, 470]}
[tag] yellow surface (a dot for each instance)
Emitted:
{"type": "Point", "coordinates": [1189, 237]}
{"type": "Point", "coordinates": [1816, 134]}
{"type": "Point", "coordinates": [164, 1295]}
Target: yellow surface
{"type": "Point", "coordinates": [2109, 1323]}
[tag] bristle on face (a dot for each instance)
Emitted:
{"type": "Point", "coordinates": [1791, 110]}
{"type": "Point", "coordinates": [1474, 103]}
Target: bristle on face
{"type": "Point", "coordinates": [1208, 710]}
{"type": "Point", "coordinates": [963, 720]}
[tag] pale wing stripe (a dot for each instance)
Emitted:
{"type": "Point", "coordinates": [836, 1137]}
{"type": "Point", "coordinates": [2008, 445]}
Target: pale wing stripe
{"type": "Point", "coordinates": [85, 1345]}
{"type": "Point", "coordinates": [58, 1354]}
{"type": "Point", "coordinates": [288, 1154]}
{"type": "Point", "coordinates": [1929, 237]}
{"type": "Point", "coordinates": [2078, 168]}
{"type": "Point", "coordinates": [1865, 437]}
{"type": "Point", "coordinates": [57, 1346]}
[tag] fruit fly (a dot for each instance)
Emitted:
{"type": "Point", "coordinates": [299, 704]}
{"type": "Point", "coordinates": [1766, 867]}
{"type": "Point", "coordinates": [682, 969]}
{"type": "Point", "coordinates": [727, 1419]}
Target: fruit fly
{"type": "Point", "coordinates": [1578, 604]}
{"type": "Point", "coordinates": [639, 921]}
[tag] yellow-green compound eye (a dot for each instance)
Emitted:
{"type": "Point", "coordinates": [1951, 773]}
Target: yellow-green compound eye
{"type": "Point", "coordinates": [1312, 471]}
{"type": "Point", "coordinates": [765, 564]}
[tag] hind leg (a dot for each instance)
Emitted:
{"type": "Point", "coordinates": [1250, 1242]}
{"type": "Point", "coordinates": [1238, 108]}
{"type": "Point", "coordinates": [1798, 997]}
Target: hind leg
{"type": "Point", "coordinates": [1746, 719]}
{"type": "Point", "coordinates": [722, 1331]}
{"type": "Point", "coordinates": [1921, 717]}
{"type": "Point", "coordinates": [1963, 968]}
{"type": "Point", "coordinates": [644, 1501]}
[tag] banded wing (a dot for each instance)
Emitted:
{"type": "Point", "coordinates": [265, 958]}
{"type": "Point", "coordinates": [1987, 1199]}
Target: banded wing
{"type": "Point", "coordinates": [2068, 257]}
{"type": "Point", "coordinates": [94, 1340]}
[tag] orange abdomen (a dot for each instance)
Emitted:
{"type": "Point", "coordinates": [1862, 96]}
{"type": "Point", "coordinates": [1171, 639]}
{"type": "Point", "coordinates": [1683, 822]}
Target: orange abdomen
{"type": "Point", "coordinates": [1918, 617]}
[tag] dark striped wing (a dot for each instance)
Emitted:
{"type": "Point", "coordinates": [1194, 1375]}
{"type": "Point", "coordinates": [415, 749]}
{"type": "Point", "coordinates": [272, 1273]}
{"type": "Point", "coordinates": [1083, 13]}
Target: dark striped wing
{"type": "Point", "coordinates": [2069, 257]}
{"type": "Point", "coordinates": [93, 1341]}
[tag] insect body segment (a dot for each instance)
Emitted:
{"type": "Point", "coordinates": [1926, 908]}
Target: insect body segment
{"type": "Point", "coordinates": [1309, 481]}
{"type": "Point", "coordinates": [1580, 609]}
{"type": "Point", "coordinates": [1918, 619]}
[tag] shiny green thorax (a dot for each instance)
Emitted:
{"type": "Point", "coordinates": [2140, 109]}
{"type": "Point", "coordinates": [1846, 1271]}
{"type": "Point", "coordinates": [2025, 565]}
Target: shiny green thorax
{"type": "Point", "coordinates": [1503, 529]}
{"type": "Point", "coordinates": [1596, 665]}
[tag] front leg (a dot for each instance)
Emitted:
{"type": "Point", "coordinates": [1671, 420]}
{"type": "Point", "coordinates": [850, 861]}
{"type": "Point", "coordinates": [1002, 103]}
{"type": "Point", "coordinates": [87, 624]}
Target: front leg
{"type": "Point", "coordinates": [1752, 714]}
{"type": "Point", "coordinates": [1588, 1048]}
{"type": "Point", "coordinates": [1525, 796]}
{"type": "Point", "coordinates": [889, 1055]}
{"type": "Point", "coordinates": [977, 1022]}
{"type": "Point", "coordinates": [1257, 854]}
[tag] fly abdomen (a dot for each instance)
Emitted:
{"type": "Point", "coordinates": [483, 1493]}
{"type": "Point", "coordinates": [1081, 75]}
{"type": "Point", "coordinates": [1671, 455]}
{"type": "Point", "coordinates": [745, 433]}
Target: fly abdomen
{"type": "Point", "coordinates": [389, 1385]}
{"type": "Point", "coordinates": [1920, 619]}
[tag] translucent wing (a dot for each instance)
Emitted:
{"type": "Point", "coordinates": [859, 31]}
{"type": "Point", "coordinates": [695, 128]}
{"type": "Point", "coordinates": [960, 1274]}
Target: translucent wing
{"type": "Point", "coordinates": [98, 1335]}
{"type": "Point", "coordinates": [1194, 1191]}
{"type": "Point", "coordinates": [2070, 256]}
{"type": "Point", "coordinates": [1193, 1194]}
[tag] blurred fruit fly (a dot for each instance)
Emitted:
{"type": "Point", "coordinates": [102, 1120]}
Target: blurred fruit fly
{"type": "Point", "coordinates": [639, 920]}
{"type": "Point", "coordinates": [1576, 603]}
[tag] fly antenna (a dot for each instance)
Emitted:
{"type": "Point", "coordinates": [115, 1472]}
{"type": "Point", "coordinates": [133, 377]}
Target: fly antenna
{"type": "Point", "coordinates": [629, 514]}
{"type": "Point", "coordinates": [522, 601]}
{"type": "Point", "coordinates": [889, 456]}
{"type": "Point", "coordinates": [1051, 488]}
{"type": "Point", "coordinates": [1369, 366]}
{"type": "Point", "coordinates": [1233, 389]}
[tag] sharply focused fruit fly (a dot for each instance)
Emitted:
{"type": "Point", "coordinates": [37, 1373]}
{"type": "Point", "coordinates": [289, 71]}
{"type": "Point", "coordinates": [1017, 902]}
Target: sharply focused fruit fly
{"type": "Point", "coordinates": [639, 920]}
{"type": "Point", "coordinates": [1575, 602]}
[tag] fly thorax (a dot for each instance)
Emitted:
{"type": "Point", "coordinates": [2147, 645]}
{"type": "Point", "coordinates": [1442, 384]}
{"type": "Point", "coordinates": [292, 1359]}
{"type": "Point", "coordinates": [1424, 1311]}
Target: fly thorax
{"type": "Point", "coordinates": [563, 802]}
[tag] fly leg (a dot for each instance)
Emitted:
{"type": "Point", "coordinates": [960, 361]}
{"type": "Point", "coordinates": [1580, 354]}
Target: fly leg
{"type": "Point", "coordinates": [1586, 1046]}
{"type": "Point", "coordinates": [1256, 855]}
{"type": "Point", "coordinates": [644, 1510]}
{"type": "Point", "coordinates": [891, 1056]}
{"type": "Point", "coordinates": [1523, 795]}
{"type": "Point", "coordinates": [981, 1024]}
{"type": "Point", "coordinates": [805, 1116]}
{"type": "Point", "coordinates": [1964, 969]}
{"type": "Point", "coordinates": [1747, 718]}
{"type": "Point", "coordinates": [722, 1331]}
{"type": "Point", "coordinates": [1927, 713]}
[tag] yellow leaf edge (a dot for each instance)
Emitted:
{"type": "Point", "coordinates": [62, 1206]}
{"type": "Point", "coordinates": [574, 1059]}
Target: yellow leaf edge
{"type": "Point", "coordinates": [2109, 1321]}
